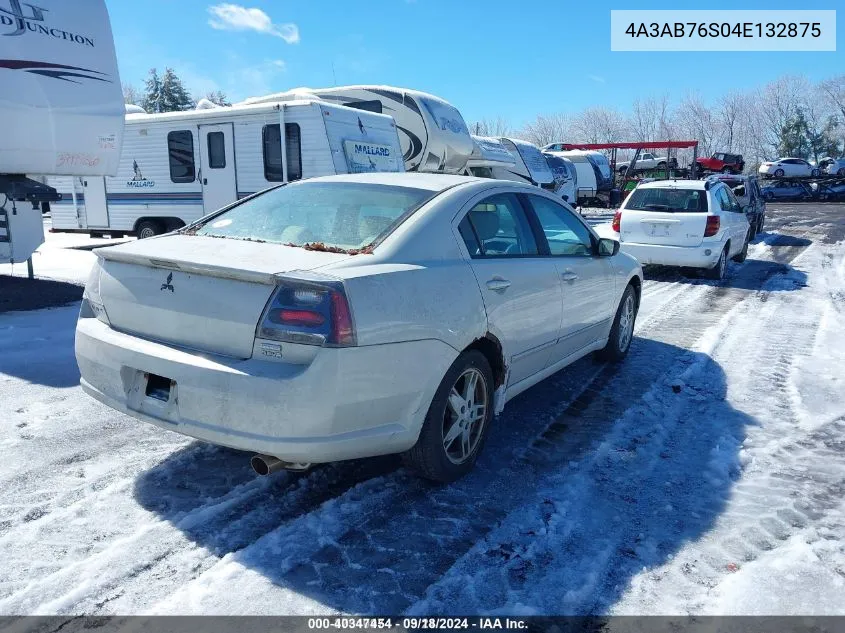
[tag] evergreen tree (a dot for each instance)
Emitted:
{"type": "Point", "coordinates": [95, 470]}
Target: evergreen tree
{"type": "Point", "coordinates": [218, 97]}
{"type": "Point", "coordinates": [166, 93]}
{"type": "Point", "coordinates": [151, 101]}
{"type": "Point", "coordinates": [794, 139]}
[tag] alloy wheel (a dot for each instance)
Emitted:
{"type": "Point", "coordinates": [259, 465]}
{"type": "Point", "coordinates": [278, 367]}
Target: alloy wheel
{"type": "Point", "coordinates": [465, 416]}
{"type": "Point", "coordinates": [626, 323]}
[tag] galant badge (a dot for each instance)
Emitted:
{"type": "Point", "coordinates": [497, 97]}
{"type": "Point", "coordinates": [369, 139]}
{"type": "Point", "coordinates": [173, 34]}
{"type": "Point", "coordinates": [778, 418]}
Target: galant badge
{"type": "Point", "coordinates": [167, 285]}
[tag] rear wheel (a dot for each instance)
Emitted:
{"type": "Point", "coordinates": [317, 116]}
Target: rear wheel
{"type": "Point", "coordinates": [456, 424]}
{"type": "Point", "coordinates": [726, 170]}
{"type": "Point", "coordinates": [622, 331]}
{"type": "Point", "coordinates": [760, 224]}
{"type": "Point", "coordinates": [814, 172]}
{"type": "Point", "coordinates": [720, 267]}
{"type": "Point", "coordinates": [779, 173]}
{"type": "Point", "coordinates": [148, 228]}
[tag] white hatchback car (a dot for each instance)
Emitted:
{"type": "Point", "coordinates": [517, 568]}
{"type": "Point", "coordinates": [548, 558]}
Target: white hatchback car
{"type": "Point", "coordinates": [353, 316]}
{"type": "Point", "coordinates": [788, 167]}
{"type": "Point", "coordinates": [688, 223]}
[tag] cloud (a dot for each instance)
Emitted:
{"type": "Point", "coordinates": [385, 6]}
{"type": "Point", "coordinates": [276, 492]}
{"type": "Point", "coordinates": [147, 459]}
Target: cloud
{"type": "Point", "coordinates": [597, 79]}
{"type": "Point", "coordinates": [234, 17]}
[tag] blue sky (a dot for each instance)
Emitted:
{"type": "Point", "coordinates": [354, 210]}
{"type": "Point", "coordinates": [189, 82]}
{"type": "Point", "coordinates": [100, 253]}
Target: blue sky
{"type": "Point", "coordinates": [489, 58]}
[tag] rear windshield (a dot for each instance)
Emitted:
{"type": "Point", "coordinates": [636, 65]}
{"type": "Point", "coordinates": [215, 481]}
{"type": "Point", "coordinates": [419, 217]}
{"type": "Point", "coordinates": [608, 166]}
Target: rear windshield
{"type": "Point", "coordinates": [340, 215]}
{"type": "Point", "coordinates": [667, 199]}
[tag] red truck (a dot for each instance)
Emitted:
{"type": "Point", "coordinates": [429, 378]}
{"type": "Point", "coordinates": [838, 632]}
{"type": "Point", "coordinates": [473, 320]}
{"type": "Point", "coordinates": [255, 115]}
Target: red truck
{"type": "Point", "coordinates": [723, 162]}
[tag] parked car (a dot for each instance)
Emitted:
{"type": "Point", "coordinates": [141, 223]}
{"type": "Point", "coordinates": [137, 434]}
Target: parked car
{"type": "Point", "coordinates": [789, 167]}
{"type": "Point", "coordinates": [350, 316]}
{"type": "Point", "coordinates": [832, 166]}
{"type": "Point", "coordinates": [722, 162]}
{"type": "Point", "coordinates": [786, 190]}
{"type": "Point", "coordinates": [647, 160]}
{"type": "Point", "coordinates": [828, 191]}
{"type": "Point", "coordinates": [748, 193]}
{"type": "Point", "coordinates": [688, 223]}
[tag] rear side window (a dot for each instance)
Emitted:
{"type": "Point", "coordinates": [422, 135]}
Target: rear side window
{"type": "Point", "coordinates": [498, 227]}
{"type": "Point", "coordinates": [272, 147]}
{"type": "Point", "coordinates": [180, 150]}
{"type": "Point", "coordinates": [216, 150]}
{"type": "Point", "coordinates": [668, 199]}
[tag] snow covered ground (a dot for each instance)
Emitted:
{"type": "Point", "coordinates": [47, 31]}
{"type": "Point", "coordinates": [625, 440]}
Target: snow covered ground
{"type": "Point", "coordinates": [705, 475]}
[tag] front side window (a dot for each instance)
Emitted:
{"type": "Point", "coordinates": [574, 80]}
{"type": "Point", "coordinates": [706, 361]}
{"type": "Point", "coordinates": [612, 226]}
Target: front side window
{"type": "Point", "coordinates": [498, 227]}
{"type": "Point", "coordinates": [565, 234]}
{"type": "Point", "coordinates": [342, 215]}
{"type": "Point", "coordinates": [180, 149]}
{"type": "Point", "coordinates": [272, 148]}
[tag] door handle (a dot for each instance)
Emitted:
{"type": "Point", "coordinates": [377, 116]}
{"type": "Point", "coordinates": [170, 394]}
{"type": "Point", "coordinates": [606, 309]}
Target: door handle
{"type": "Point", "coordinates": [498, 284]}
{"type": "Point", "coordinates": [568, 275]}
{"type": "Point", "coordinates": [205, 181]}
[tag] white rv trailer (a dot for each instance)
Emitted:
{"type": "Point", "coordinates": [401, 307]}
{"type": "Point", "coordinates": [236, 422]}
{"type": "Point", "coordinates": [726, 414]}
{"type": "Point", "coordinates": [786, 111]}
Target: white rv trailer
{"type": "Point", "coordinates": [178, 166]}
{"type": "Point", "coordinates": [432, 131]}
{"type": "Point", "coordinates": [61, 108]}
{"type": "Point", "coordinates": [594, 174]}
{"type": "Point", "coordinates": [510, 159]}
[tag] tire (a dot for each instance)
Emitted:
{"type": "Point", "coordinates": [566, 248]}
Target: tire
{"type": "Point", "coordinates": [743, 254]}
{"type": "Point", "coordinates": [726, 170]}
{"type": "Point", "coordinates": [814, 172]}
{"type": "Point", "coordinates": [752, 231]}
{"type": "Point", "coordinates": [661, 164]}
{"type": "Point", "coordinates": [148, 228]}
{"type": "Point", "coordinates": [622, 331]}
{"type": "Point", "coordinates": [779, 173]}
{"type": "Point", "coordinates": [768, 195]}
{"type": "Point", "coordinates": [841, 171]}
{"type": "Point", "coordinates": [432, 457]}
{"type": "Point", "coordinates": [760, 224]}
{"type": "Point", "coordinates": [719, 268]}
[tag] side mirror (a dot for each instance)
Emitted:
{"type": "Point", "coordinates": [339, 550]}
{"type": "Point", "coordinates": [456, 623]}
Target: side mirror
{"type": "Point", "coordinates": [608, 247]}
{"type": "Point", "coordinates": [565, 198]}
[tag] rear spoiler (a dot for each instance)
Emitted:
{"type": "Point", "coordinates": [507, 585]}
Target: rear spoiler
{"type": "Point", "coordinates": [207, 270]}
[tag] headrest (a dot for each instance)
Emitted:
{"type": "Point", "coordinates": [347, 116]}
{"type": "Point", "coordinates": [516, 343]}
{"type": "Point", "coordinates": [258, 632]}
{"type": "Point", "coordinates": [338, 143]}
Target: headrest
{"type": "Point", "coordinates": [485, 219]}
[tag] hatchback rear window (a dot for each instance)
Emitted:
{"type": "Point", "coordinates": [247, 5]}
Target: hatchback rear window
{"type": "Point", "coordinates": [668, 199]}
{"type": "Point", "coordinates": [340, 215]}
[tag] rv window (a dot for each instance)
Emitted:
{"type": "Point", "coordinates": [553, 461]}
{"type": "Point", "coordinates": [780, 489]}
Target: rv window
{"type": "Point", "coordinates": [369, 106]}
{"type": "Point", "coordinates": [216, 150]}
{"type": "Point", "coordinates": [180, 147]}
{"type": "Point", "coordinates": [273, 152]}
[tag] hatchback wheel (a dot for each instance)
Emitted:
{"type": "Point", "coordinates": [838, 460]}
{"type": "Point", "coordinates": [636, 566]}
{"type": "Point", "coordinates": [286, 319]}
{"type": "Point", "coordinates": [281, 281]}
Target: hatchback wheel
{"type": "Point", "coordinates": [779, 173]}
{"type": "Point", "coordinates": [720, 267]}
{"type": "Point", "coordinates": [622, 331]}
{"type": "Point", "coordinates": [457, 421]}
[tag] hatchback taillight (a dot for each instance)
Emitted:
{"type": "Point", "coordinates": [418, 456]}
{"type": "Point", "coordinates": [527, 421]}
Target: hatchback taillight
{"type": "Point", "coordinates": [310, 309]}
{"type": "Point", "coordinates": [617, 222]}
{"type": "Point", "coordinates": [713, 224]}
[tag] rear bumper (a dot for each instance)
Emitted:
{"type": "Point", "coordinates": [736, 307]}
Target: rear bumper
{"type": "Point", "coordinates": [686, 256]}
{"type": "Point", "coordinates": [347, 403]}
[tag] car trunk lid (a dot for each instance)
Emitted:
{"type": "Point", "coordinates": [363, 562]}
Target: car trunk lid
{"type": "Point", "coordinates": [678, 228]}
{"type": "Point", "coordinates": [198, 292]}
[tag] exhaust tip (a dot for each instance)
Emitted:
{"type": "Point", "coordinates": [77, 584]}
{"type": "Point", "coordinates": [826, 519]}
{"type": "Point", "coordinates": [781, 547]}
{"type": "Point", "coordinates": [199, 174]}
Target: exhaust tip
{"type": "Point", "coordinates": [267, 465]}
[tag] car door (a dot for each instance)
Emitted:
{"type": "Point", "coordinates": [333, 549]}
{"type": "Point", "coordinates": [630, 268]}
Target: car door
{"type": "Point", "coordinates": [520, 287]}
{"type": "Point", "coordinates": [732, 211]}
{"type": "Point", "coordinates": [589, 285]}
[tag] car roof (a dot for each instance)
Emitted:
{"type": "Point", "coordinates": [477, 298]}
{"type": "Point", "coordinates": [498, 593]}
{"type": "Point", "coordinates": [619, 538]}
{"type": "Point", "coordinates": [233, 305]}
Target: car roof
{"type": "Point", "coordinates": [673, 184]}
{"type": "Point", "coordinates": [430, 182]}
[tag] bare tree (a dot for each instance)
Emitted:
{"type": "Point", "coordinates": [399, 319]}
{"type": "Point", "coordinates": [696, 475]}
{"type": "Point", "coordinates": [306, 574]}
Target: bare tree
{"type": "Point", "coordinates": [599, 125]}
{"type": "Point", "coordinates": [492, 127]}
{"type": "Point", "coordinates": [547, 129]}
{"type": "Point", "coordinates": [650, 120]}
{"type": "Point", "coordinates": [834, 95]}
{"type": "Point", "coordinates": [731, 108]}
{"type": "Point", "coordinates": [132, 95]}
{"type": "Point", "coordinates": [780, 103]}
{"type": "Point", "coordinates": [695, 120]}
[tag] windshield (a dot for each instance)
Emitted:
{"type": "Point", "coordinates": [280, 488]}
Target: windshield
{"type": "Point", "coordinates": [667, 199]}
{"type": "Point", "coordinates": [342, 215]}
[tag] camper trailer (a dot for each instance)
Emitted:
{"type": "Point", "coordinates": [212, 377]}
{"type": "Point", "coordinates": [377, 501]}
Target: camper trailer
{"type": "Point", "coordinates": [595, 178]}
{"type": "Point", "coordinates": [566, 177]}
{"type": "Point", "coordinates": [61, 105]}
{"type": "Point", "coordinates": [178, 166]}
{"type": "Point", "coordinates": [509, 159]}
{"type": "Point", "coordinates": [432, 132]}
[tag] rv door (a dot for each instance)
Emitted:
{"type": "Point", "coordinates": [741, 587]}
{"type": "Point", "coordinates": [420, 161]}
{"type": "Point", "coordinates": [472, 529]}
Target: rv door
{"type": "Point", "coordinates": [217, 165]}
{"type": "Point", "coordinates": [96, 205]}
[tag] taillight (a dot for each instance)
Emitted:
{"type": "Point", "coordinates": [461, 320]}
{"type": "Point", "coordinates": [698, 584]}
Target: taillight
{"type": "Point", "coordinates": [712, 227]}
{"type": "Point", "coordinates": [617, 222]}
{"type": "Point", "coordinates": [310, 309]}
